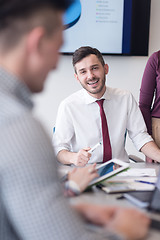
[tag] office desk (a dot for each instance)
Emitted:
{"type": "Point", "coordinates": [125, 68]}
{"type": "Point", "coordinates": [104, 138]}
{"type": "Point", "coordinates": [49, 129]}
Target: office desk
{"type": "Point", "coordinates": [100, 197]}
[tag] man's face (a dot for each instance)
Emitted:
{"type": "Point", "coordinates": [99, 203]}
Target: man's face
{"type": "Point", "coordinates": [91, 75]}
{"type": "Point", "coordinates": [46, 59]}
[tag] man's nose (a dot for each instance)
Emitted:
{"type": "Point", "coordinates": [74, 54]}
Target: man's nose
{"type": "Point", "coordinates": [90, 75]}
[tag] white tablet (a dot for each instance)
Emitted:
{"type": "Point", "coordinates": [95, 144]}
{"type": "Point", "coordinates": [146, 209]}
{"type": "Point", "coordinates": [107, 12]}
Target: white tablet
{"type": "Point", "coordinates": [108, 169]}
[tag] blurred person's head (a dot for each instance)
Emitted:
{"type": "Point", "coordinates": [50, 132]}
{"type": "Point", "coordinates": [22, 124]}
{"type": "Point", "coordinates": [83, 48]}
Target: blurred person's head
{"type": "Point", "coordinates": [30, 38]}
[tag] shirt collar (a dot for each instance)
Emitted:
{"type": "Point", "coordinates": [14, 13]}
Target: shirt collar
{"type": "Point", "coordinates": [11, 84]}
{"type": "Point", "coordinates": [88, 99]}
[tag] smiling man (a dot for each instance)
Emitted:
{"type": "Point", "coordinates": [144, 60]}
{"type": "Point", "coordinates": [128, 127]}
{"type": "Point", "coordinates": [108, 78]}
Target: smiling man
{"type": "Point", "coordinates": [79, 121]}
{"type": "Point", "coordinates": [91, 75]}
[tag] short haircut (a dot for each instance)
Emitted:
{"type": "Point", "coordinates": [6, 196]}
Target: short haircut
{"type": "Point", "coordinates": [18, 17]}
{"type": "Point", "coordinates": [21, 9]}
{"type": "Point", "coordinates": [85, 51]}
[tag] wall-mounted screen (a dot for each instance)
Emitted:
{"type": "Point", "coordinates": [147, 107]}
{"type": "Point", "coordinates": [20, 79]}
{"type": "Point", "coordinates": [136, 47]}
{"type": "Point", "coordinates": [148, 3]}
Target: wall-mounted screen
{"type": "Point", "coordinates": [113, 26]}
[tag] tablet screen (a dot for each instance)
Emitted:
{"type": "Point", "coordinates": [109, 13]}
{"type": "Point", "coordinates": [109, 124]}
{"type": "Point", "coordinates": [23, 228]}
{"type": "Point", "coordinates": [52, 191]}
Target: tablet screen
{"type": "Point", "coordinates": [108, 168]}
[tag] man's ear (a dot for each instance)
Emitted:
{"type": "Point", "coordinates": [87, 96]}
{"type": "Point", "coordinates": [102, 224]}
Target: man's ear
{"type": "Point", "coordinates": [106, 68]}
{"type": "Point", "coordinates": [76, 77]}
{"type": "Point", "coordinates": [35, 39]}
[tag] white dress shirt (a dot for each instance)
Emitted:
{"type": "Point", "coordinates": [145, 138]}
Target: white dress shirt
{"type": "Point", "coordinates": [78, 123]}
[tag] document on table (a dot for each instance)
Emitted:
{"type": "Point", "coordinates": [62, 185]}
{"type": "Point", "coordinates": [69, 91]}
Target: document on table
{"type": "Point", "coordinates": [132, 184]}
{"type": "Point", "coordinates": [139, 172]}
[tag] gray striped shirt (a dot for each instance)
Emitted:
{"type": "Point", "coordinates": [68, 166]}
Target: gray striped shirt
{"type": "Point", "coordinates": [32, 206]}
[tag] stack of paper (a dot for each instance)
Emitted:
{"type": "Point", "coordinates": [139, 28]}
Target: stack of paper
{"type": "Point", "coordinates": [135, 179]}
{"type": "Point", "coordinates": [139, 172]}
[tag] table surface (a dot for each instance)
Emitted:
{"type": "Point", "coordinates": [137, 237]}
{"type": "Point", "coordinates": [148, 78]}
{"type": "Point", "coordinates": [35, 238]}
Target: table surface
{"type": "Point", "coordinates": [98, 196]}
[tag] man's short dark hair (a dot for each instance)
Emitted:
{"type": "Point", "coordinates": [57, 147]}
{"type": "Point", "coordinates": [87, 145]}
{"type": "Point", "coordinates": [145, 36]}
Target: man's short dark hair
{"type": "Point", "coordinates": [83, 52]}
{"type": "Point", "coordinates": [20, 9]}
{"type": "Point", "coordinates": [18, 17]}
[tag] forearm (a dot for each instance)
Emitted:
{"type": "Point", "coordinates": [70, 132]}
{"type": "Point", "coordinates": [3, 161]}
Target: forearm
{"type": "Point", "coordinates": [97, 214]}
{"type": "Point", "coordinates": [151, 150]}
{"type": "Point", "coordinates": [80, 158]}
{"type": "Point", "coordinates": [66, 157]}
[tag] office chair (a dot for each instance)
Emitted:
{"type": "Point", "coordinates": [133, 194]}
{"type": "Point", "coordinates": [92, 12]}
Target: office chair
{"type": "Point", "coordinates": [135, 159]}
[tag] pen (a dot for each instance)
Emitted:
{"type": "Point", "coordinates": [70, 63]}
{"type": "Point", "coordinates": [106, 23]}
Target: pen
{"type": "Point", "coordinates": [145, 182]}
{"type": "Point", "coordinates": [93, 148]}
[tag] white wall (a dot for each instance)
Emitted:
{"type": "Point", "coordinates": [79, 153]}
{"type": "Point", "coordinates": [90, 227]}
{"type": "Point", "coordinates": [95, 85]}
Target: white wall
{"type": "Point", "coordinates": [125, 72]}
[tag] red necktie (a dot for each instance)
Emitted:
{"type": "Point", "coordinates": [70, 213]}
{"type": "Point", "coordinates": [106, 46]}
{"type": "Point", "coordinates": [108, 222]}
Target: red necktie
{"type": "Point", "coordinates": [107, 151]}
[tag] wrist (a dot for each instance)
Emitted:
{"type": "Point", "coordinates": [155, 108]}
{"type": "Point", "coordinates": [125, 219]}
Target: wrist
{"type": "Point", "coordinates": [72, 158]}
{"type": "Point", "coordinates": [73, 186]}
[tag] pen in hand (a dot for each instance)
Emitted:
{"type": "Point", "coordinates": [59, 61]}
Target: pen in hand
{"type": "Point", "coordinates": [93, 148]}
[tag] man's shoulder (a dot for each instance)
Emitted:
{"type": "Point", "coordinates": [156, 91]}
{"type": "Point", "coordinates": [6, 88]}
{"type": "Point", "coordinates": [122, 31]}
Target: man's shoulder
{"type": "Point", "coordinates": [118, 92]}
{"type": "Point", "coordinates": [11, 109]}
{"type": "Point", "coordinates": [73, 98]}
{"type": "Point", "coordinates": [22, 128]}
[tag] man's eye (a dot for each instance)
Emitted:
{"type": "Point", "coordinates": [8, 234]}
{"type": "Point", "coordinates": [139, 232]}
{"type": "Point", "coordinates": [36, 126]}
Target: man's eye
{"type": "Point", "coordinates": [82, 72]}
{"type": "Point", "coordinates": [95, 68]}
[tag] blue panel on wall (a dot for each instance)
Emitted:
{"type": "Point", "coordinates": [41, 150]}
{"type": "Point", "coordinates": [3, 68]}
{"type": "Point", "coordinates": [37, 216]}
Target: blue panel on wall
{"type": "Point", "coordinates": [72, 14]}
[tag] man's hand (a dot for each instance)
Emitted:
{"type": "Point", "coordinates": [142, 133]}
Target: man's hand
{"type": "Point", "coordinates": [130, 223]}
{"type": "Point", "coordinates": [83, 176]}
{"type": "Point", "coordinates": [149, 160]}
{"type": "Point", "coordinates": [97, 214]}
{"type": "Point", "coordinates": [82, 157]}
